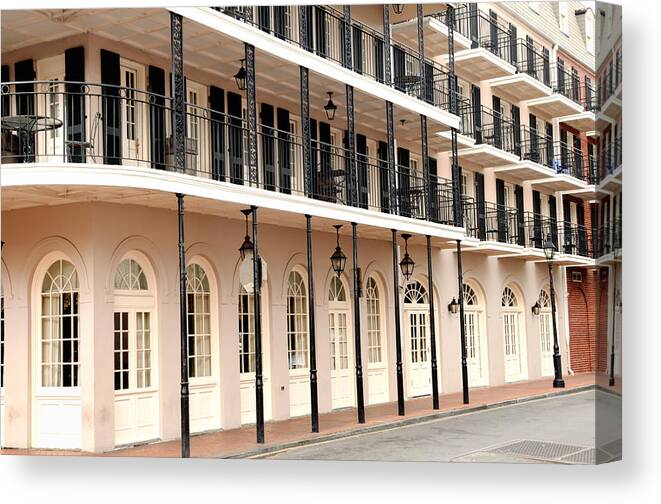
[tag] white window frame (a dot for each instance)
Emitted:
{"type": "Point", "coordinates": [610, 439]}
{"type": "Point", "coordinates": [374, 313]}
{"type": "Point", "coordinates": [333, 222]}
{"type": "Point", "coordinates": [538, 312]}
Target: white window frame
{"type": "Point", "coordinates": [301, 316]}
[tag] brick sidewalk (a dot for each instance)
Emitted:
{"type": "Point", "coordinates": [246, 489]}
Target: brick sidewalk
{"type": "Point", "coordinates": [287, 433]}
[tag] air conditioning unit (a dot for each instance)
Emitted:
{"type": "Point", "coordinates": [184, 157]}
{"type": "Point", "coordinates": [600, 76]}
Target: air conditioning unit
{"type": "Point", "coordinates": [577, 276]}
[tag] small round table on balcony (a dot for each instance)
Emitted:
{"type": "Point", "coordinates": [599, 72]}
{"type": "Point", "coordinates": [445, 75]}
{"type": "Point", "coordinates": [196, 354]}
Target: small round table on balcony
{"type": "Point", "coordinates": [25, 126]}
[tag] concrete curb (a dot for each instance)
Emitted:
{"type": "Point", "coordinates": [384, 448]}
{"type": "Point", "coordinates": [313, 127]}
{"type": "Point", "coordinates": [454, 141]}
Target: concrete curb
{"type": "Point", "coordinates": [260, 452]}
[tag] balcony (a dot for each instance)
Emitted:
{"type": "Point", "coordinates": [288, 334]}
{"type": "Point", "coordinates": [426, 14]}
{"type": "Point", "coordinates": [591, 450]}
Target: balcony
{"type": "Point", "coordinates": [326, 35]}
{"type": "Point", "coordinates": [608, 242]}
{"type": "Point", "coordinates": [108, 125]}
{"type": "Point", "coordinates": [610, 165]}
{"type": "Point", "coordinates": [490, 55]}
{"type": "Point", "coordinates": [494, 137]}
{"type": "Point", "coordinates": [569, 98]}
{"type": "Point", "coordinates": [533, 73]}
{"type": "Point", "coordinates": [435, 31]}
{"type": "Point", "coordinates": [610, 96]}
{"type": "Point", "coordinates": [498, 226]}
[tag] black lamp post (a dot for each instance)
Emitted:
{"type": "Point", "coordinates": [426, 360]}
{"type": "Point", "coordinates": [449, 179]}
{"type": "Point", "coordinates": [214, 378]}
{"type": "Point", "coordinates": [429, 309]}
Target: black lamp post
{"type": "Point", "coordinates": [330, 107]}
{"type": "Point", "coordinates": [549, 252]}
{"type": "Point", "coordinates": [247, 248]}
{"type": "Point", "coordinates": [338, 259]}
{"type": "Point", "coordinates": [398, 8]}
{"type": "Point", "coordinates": [406, 264]}
{"type": "Point", "coordinates": [240, 77]}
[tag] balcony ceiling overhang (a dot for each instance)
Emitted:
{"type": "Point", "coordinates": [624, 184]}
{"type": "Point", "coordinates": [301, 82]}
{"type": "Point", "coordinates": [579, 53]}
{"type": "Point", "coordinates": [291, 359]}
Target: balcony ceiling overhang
{"type": "Point", "coordinates": [519, 87]}
{"type": "Point", "coordinates": [442, 142]}
{"type": "Point", "coordinates": [553, 106]}
{"type": "Point", "coordinates": [569, 260]}
{"type": "Point", "coordinates": [498, 249]}
{"type": "Point", "coordinates": [480, 64]}
{"type": "Point", "coordinates": [435, 33]}
{"type": "Point", "coordinates": [591, 193]}
{"type": "Point", "coordinates": [525, 170]}
{"type": "Point", "coordinates": [525, 254]}
{"type": "Point", "coordinates": [35, 185]}
{"type": "Point", "coordinates": [486, 156]}
{"type": "Point", "coordinates": [612, 107]}
{"type": "Point", "coordinates": [612, 183]}
{"type": "Point", "coordinates": [559, 182]}
{"type": "Point", "coordinates": [585, 121]}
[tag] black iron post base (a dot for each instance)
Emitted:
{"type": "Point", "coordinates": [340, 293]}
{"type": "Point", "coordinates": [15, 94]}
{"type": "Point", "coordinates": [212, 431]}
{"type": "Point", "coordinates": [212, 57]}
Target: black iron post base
{"type": "Point", "coordinates": [558, 382]}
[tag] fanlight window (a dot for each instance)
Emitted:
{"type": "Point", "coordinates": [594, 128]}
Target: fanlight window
{"type": "Point", "coordinates": [59, 326]}
{"type": "Point", "coordinates": [198, 306]}
{"type": "Point", "coordinates": [297, 322]}
{"type": "Point", "coordinates": [544, 299]}
{"type": "Point", "coordinates": [130, 276]}
{"type": "Point", "coordinates": [508, 299]}
{"type": "Point", "coordinates": [336, 291]}
{"type": "Point", "coordinates": [373, 321]}
{"type": "Point", "coordinates": [415, 293]}
{"type": "Point", "coordinates": [470, 297]}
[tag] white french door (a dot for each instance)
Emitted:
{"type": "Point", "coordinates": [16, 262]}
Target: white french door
{"type": "Point", "coordinates": [514, 358]}
{"type": "Point", "coordinates": [197, 129]}
{"type": "Point", "coordinates": [50, 103]}
{"type": "Point", "coordinates": [475, 349]}
{"type": "Point", "coordinates": [546, 342]}
{"type": "Point", "coordinates": [419, 362]}
{"type": "Point", "coordinates": [135, 379]}
{"type": "Point", "coordinates": [342, 395]}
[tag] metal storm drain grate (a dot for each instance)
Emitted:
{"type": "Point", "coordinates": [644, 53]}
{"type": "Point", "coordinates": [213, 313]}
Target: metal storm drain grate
{"type": "Point", "coordinates": [614, 448]}
{"type": "Point", "coordinates": [538, 449]}
{"type": "Point", "coordinates": [588, 456]}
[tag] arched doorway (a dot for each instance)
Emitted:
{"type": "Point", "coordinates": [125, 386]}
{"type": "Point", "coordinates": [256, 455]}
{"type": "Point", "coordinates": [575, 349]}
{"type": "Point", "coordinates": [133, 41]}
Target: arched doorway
{"type": "Point", "coordinates": [546, 332]}
{"type": "Point", "coordinates": [476, 341]}
{"type": "Point", "coordinates": [56, 412]}
{"type": "Point", "coordinates": [339, 338]}
{"type": "Point", "coordinates": [135, 352]}
{"type": "Point", "coordinates": [416, 322]}
{"type": "Point", "coordinates": [377, 358]}
{"type": "Point", "coordinates": [298, 344]}
{"type": "Point", "coordinates": [513, 335]}
{"type": "Point", "coordinates": [203, 367]}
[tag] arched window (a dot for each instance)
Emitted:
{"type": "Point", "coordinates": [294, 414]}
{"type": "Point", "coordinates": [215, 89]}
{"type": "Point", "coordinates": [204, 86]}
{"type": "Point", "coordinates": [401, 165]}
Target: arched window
{"type": "Point", "coordinates": [246, 332]}
{"type": "Point", "coordinates": [297, 322]}
{"type": "Point", "coordinates": [336, 291]}
{"type": "Point", "coordinates": [198, 306]}
{"type": "Point", "coordinates": [470, 297]}
{"type": "Point", "coordinates": [59, 326]}
{"type": "Point", "coordinates": [415, 293]}
{"type": "Point", "coordinates": [544, 299]}
{"type": "Point", "coordinates": [130, 276]}
{"type": "Point", "coordinates": [508, 299]}
{"type": "Point", "coordinates": [375, 350]}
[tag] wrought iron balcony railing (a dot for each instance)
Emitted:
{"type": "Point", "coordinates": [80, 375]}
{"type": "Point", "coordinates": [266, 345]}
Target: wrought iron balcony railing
{"type": "Point", "coordinates": [105, 124]}
{"type": "Point", "coordinates": [493, 222]}
{"type": "Point", "coordinates": [608, 238]}
{"type": "Point", "coordinates": [487, 126]}
{"type": "Point", "coordinates": [610, 158]}
{"type": "Point", "coordinates": [485, 31]}
{"type": "Point", "coordinates": [532, 59]}
{"type": "Point", "coordinates": [326, 39]}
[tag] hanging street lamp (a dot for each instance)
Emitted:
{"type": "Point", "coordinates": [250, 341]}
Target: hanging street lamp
{"type": "Point", "coordinates": [398, 8]}
{"type": "Point", "coordinates": [453, 307]}
{"type": "Point", "coordinates": [536, 308]}
{"type": "Point", "coordinates": [330, 107]}
{"type": "Point", "coordinates": [406, 264]}
{"type": "Point", "coordinates": [549, 252]}
{"type": "Point", "coordinates": [338, 259]}
{"type": "Point", "coordinates": [247, 248]}
{"type": "Point", "coordinates": [240, 77]}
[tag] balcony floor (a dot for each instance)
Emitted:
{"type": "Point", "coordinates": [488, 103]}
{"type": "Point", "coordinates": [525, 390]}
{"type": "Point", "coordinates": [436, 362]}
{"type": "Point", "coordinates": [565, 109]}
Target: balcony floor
{"type": "Point", "coordinates": [585, 121]}
{"type": "Point", "coordinates": [486, 156]}
{"type": "Point", "coordinates": [480, 64]}
{"type": "Point", "coordinates": [553, 106]}
{"type": "Point", "coordinates": [436, 36]}
{"type": "Point", "coordinates": [519, 87]}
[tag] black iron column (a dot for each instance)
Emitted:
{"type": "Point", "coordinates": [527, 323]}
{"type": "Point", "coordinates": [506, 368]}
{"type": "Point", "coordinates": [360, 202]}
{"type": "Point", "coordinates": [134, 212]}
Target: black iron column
{"type": "Point", "coordinates": [352, 178]}
{"type": "Point", "coordinates": [558, 382]}
{"type": "Point", "coordinates": [421, 51]}
{"type": "Point", "coordinates": [390, 123]}
{"type": "Point", "coordinates": [257, 308]}
{"type": "Point", "coordinates": [251, 114]}
{"type": "Point", "coordinates": [432, 329]}
{"type": "Point", "coordinates": [387, 59]}
{"type": "Point", "coordinates": [314, 399]}
{"type": "Point", "coordinates": [183, 333]}
{"type": "Point", "coordinates": [178, 93]}
{"type": "Point", "coordinates": [457, 202]}
{"type": "Point", "coordinates": [305, 105]}
{"type": "Point", "coordinates": [462, 324]}
{"type": "Point", "coordinates": [611, 380]}
{"type": "Point", "coordinates": [360, 399]}
{"type": "Point", "coordinates": [398, 328]}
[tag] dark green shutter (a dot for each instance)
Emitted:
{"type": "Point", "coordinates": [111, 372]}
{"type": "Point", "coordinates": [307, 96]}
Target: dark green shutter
{"type": "Point", "coordinates": [235, 134]}
{"type": "Point", "coordinates": [74, 71]}
{"type": "Point", "coordinates": [284, 156]}
{"type": "Point", "coordinates": [217, 105]}
{"type": "Point", "coordinates": [112, 111]}
{"type": "Point", "coordinates": [481, 206]}
{"type": "Point", "coordinates": [5, 103]}
{"type": "Point", "coordinates": [362, 164]}
{"type": "Point", "coordinates": [537, 238]}
{"type": "Point", "coordinates": [384, 176]}
{"type": "Point", "coordinates": [268, 146]}
{"type": "Point", "coordinates": [156, 78]}
{"type": "Point", "coordinates": [24, 72]}
{"type": "Point", "coordinates": [520, 224]}
{"type": "Point", "coordinates": [326, 180]}
{"type": "Point", "coordinates": [404, 172]}
{"type": "Point", "coordinates": [501, 211]}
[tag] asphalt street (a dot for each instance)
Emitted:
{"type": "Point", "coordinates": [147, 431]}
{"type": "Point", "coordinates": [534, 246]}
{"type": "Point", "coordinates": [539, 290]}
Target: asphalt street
{"type": "Point", "coordinates": [574, 428]}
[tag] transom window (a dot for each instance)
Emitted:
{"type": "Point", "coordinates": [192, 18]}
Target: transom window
{"type": "Point", "coordinates": [130, 276]}
{"type": "Point", "coordinates": [198, 306]}
{"type": "Point", "coordinates": [415, 293]}
{"type": "Point", "coordinates": [508, 299]}
{"type": "Point", "coordinates": [246, 332]}
{"type": "Point", "coordinates": [373, 322]}
{"type": "Point", "coordinates": [336, 291]}
{"type": "Point", "coordinates": [59, 326]}
{"type": "Point", "coordinates": [470, 297]}
{"type": "Point", "coordinates": [297, 322]}
{"type": "Point", "coordinates": [544, 299]}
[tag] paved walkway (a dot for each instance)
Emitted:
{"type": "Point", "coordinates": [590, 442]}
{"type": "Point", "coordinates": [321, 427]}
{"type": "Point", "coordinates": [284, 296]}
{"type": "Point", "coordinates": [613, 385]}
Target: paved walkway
{"type": "Point", "coordinates": [286, 433]}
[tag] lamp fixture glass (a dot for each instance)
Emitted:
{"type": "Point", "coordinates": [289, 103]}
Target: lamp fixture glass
{"type": "Point", "coordinates": [240, 76]}
{"type": "Point", "coordinates": [453, 307]}
{"type": "Point", "coordinates": [398, 8]}
{"type": "Point", "coordinates": [330, 107]}
{"type": "Point", "coordinates": [536, 308]}
{"type": "Point", "coordinates": [247, 248]}
{"type": "Point", "coordinates": [406, 264]}
{"type": "Point", "coordinates": [549, 248]}
{"type": "Point", "coordinates": [338, 259]}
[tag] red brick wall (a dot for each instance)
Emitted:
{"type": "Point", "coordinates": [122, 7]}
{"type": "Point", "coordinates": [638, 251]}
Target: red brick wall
{"type": "Point", "coordinates": [583, 320]}
{"type": "Point", "coordinates": [603, 352]}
